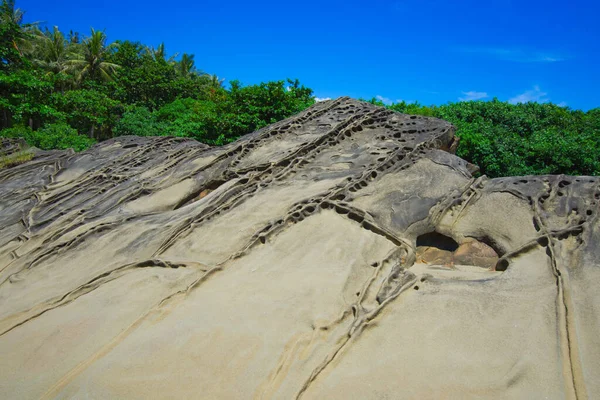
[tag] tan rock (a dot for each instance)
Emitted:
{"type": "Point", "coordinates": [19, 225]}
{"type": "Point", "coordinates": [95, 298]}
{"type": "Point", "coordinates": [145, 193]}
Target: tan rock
{"type": "Point", "coordinates": [477, 253]}
{"type": "Point", "coordinates": [294, 263]}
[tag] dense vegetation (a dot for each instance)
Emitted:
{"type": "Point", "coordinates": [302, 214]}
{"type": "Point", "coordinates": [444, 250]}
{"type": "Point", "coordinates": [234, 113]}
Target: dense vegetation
{"type": "Point", "coordinates": [62, 90]}
{"type": "Point", "coordinates": [520, 139]}
{"type": "Point", "coordinates": [59, 91]}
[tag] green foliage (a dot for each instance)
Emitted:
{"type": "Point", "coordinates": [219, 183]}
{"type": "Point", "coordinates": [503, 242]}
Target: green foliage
{"type": "Point", "coordinates": [90, 112]}
{"type": "Point", "coordinates": [89, 59]}
{"type": "Point", "coordinates": [23, 98]}
{"type": "Point", "coordinates": [13, 36]}
{"type": "Point", "coordinates": [138, 121]}
{"type": "Point", "coordinates": [199, 119]}
{"type": "Point", "coordinates": [405, 108]}
{"type": "Point", "coordinates": [103, 89]}
{"type": "Point", "coordinates": [413, 108]}
{"type": "Point", "coordinates": [259, 105]}
{"type": "Point", "coordinates": [51, 136]}
{"type": "Point", "coordinates": [531, 138]}
{"type": "Point", "coordinates": [51, 51]}
{"type": "Point", "coordinates": [524, 139]}
{"type": "Point", "coordinates": [227, 115]}
{"type": "Point", "coordinates": [142, 79]}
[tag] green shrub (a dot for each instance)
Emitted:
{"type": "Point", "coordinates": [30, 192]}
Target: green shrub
{"type": "Point", "coordinates": [51, 136]}
{"type": "Point", "coordinates": [18, 131]}
{"type": "Point", "coordinates": [522, 139]}
{"type": "Point", "coordinates": [138, 121]}
{"type": "Point", "coordinates": [191, 118]}
{"type": "Point", "coordinates": [506, 139]}
{"type": "Point", "coordinates": [89, 111]}
{"type": "Point", "coordinates": [61, 136]}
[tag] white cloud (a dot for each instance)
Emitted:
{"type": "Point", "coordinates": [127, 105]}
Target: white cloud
{"type": "Point", "coordinates": [515, 54]}
{"type": "Point", "coordinates": [534, 94]}
{"type": "Point", "coordinates": [472, 95]}
{"type": "Point", "coordinates": [384, 100]}
{"type": "Point", "coordinates": [562, 104]}
{"type": "Point", "coordinates": [317, 99]}
{"type": "Point", "coordinates": [387, 101]}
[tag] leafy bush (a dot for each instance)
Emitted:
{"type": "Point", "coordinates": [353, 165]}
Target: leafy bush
{"type": "Point", "coordinates": [506, 139]}
{"type": "Point", "coordinates": [138, 121]}
{"type": "Point", "coordinates": [51, 136]}
{"type": "Point", "coordinates": [227, 115]}
{"type": "Point", "coordinates": [89, 111]}
{"type": "Point", "coordinates": [19, 131]}
{"type": "Point", "coordinates": [191, 118]}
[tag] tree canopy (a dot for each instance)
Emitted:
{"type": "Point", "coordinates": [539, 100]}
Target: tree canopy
{"type": "Point", "coordinates": [520, 139]}
{"type": "Point", "coordinates": [50, 80]}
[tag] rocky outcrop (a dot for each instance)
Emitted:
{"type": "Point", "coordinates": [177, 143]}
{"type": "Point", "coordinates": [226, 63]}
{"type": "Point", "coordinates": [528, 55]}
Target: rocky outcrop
{"type": "Point", "coordinates": [9, 146]}
{"type": "Point", "coordinates": [341, 253]}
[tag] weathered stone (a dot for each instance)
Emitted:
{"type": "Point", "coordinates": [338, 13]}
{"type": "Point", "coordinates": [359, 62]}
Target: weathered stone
{"type": "Point", "coordinates": [287, 265]}
{"type": "Point", "coordinates": [10, 146]}
{"type": "Point", "coordinates": [474, 252]}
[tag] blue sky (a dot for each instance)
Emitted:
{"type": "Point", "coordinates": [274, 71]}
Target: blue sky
{"type": "Point", "coordinates": [432, 51]}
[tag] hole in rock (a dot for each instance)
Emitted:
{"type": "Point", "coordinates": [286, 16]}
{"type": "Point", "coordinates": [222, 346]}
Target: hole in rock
{"type": "Point", "coordinates": [562, 184]}
{"type": "Point", "coordinates": [536, 225]}
{"type": "Point", "coordinates": [543, 241]}
{"type": "Point", "coordinates": [340, 210]}
{"type": "Point", "coordinates": [502, 265]}
{"type": "Point", "coordinates": [436, 249]}
{"type": "Point", "coordinates": [435, 239]}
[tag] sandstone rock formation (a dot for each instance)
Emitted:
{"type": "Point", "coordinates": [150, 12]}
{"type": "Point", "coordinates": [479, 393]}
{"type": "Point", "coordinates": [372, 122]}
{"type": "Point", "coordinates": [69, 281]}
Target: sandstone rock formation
{"type": "Point", "coordinates": [342, 253]}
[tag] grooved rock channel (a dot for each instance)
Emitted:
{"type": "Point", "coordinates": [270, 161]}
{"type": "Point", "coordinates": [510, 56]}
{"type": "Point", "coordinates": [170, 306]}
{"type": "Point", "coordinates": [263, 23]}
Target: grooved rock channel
{"type": "Point", "coordinates": [341, 253]}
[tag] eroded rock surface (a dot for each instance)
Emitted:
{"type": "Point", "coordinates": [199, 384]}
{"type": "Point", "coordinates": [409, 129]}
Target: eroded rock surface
{"type": "Point", "coordinates": [296, 263]}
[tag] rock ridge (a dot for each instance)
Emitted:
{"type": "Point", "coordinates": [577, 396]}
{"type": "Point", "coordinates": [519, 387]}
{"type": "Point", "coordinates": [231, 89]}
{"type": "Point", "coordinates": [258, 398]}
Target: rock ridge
{"type": "Point", "coordinates": [343, 252]}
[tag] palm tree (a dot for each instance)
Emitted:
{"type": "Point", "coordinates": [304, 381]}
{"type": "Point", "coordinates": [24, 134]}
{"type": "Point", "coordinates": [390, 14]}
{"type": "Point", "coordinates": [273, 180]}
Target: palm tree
{"type": "Point", "coordinates": [185, 67]}
{"type": "Point", "coordinates": [52, 51]}
{"type": "Point", "coordinates": [10, 14]}
{"type": "Point", "coordinates": [214, 81]}
{"type": "Point", "coordinates": [160, 54]}
{"type": "Point", "coordinates": [89, 60]}
{"type": "Point", "coordinates": [73, 37]}
{"type": "Point", "coordinates": [15, 36]}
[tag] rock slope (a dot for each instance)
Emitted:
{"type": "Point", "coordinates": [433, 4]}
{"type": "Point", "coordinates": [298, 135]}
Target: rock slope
{"type": "Point", "coordinates": [341, 253]}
